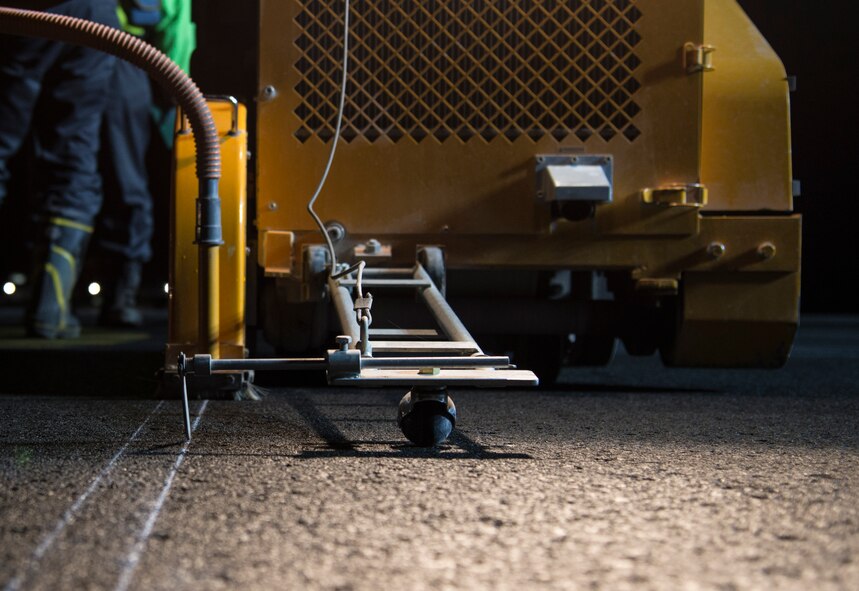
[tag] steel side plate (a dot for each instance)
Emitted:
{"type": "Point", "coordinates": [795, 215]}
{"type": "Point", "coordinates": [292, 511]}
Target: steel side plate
{"type": "Point", "coordinates": [479, 378]}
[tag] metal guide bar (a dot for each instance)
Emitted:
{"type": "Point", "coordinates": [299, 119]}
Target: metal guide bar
{"type": "Point", "coordinates": [386, 283]}
{"type": "Point", "coordinates": [397, 359]}
{"type": "Point", "coordinates": [481, 378]}
{"type": "Point", "coordinates": [204, 365]}
{"type": "Point", "coordinates": [412, 362]}
{"type": "Point", "coordinates": [404, 333]}
{"type": "Point", "coordinates": [426, 347]}
{"type": "Point", "coordinates": [459, 341]}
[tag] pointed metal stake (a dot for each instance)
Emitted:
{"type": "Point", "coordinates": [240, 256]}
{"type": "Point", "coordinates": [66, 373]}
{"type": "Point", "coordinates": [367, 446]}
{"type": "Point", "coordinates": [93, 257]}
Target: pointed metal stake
{"type": "Point", "coordinates": [186, 411]}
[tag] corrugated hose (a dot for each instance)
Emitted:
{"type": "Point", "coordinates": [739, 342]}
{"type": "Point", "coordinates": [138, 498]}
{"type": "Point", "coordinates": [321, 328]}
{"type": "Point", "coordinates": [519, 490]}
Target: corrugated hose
{"type": "Point", "coordinates": [178, 84]}
{"type": "Point", "coordinates": [161, 69]}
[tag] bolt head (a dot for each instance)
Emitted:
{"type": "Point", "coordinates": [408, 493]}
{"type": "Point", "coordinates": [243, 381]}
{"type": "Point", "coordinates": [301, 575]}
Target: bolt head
{"type": "Point", "coordinates": [766, 251]}
{"type": "Point", "coordinates": [343, 341]}
{"type": "Point", "coordinates": [336, 231]}
{"type": "Point", "coordinates": [716, 250]}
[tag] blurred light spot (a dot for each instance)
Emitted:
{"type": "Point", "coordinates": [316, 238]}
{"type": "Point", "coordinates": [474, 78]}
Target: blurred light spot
{"type": "Point", "coordinates": [9, 288]}
{"type": "Point", "coordinates": [94, 288]}
{"type": "Point", "coordinates": [167, 288]}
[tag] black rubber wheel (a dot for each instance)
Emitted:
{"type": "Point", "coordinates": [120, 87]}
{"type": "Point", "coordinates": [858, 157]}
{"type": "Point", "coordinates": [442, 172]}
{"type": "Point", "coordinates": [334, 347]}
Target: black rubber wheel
{"type": "Point", "coordinates": [292, 328]}
{"type": "Point", "coordinates": [640, 345]}
{"type": "Point", "coordinates": [591, 351]}
{"type": "Point", "coordinates": [426, 423]}
{"type": "Point", "coordinates": [542, 354]}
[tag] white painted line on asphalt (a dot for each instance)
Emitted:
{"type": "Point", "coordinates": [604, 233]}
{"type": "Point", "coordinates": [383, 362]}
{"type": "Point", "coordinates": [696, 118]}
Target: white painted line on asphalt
{"type": "Point", "coordinates": [72, 511]}
{"type": "Point", "coordinates": [136, 553]}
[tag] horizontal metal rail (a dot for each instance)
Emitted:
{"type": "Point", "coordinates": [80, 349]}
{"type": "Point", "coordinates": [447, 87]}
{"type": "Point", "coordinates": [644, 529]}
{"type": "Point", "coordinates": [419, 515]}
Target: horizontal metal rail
{"type": "Point", "coordinates": [440, 362]}
{"type": "Point", "coordinates": [386, 282]}
{"type": "Point", "coordinates": [204, 364]}
{"type": "Point", "coordinates": [296, 364]}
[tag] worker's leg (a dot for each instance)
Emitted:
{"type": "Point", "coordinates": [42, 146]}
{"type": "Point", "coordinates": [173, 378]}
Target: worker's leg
{"type": "Point", "coordinates": [67, 128]}
{"type": "Point", "coordinates": [126, 220]}
{"type": "Point", "coordinates": [23, 63]}
{"type": "Point", "coordinates": [67, 123]}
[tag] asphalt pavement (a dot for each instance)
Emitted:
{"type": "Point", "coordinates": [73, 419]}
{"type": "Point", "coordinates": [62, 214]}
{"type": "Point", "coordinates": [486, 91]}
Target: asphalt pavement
{"type": "Point", "coordinates": [628, 477]}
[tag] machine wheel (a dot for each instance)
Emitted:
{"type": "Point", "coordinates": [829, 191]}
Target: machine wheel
{"type": "Point", "coordinates": [591, 351]}
{"type": "Point", "coordinates": [640, 345]}
{"type": "Point", "coordinates": [426, 416]}
{"type": "Point", "coordinates": [542, 354]}
{"type": "Point", "coordinates": [293, 328]}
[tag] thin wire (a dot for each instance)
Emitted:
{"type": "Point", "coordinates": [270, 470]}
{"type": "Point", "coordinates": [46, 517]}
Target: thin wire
{"type": "Point", "coordinates": [359, 266]}
{"type": "Point", "coordinates": [334, 142]}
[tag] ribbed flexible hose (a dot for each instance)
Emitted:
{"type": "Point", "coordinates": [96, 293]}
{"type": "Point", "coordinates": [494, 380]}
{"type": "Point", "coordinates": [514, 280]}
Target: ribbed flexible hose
{"type": "Point", "coordinates": [57, 27]}
{"type": "Point", "coordinates": [162, 70]}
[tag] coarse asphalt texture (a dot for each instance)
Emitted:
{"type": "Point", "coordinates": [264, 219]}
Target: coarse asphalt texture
{"type": "Point", "coordinates": [628, 477]}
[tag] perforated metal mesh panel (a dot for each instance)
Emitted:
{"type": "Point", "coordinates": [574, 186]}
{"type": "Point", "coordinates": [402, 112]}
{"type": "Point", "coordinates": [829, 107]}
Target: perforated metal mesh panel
{"type": "Point", "coordinates": [464, 70]}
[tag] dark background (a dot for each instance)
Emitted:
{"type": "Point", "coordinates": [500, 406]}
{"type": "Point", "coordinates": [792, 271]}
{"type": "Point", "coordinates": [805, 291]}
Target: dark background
{"type": "Point", "coordinates": [815, 41]}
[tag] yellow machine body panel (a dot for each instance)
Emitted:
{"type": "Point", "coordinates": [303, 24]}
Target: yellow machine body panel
{"type": "Point", "coordinates": [746, 156]}
{"type": "Point", "coordinates": [450, 102]}
{"type": "Point", "coordinates": [231, 121]}
{"type": "Point", "coordinates": [450, 107]}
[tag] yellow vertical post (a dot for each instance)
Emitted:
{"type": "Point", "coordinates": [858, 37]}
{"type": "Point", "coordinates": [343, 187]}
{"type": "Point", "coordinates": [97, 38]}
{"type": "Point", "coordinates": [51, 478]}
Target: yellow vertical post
{"type": "Point", "coordinates": [225, 335]}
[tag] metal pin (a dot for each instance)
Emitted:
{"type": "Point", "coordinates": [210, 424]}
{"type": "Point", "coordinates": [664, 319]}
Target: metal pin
{"type": "Point", "coordinates": [364, 344]}
{"type": "Point", "coordinates": [185, 410]}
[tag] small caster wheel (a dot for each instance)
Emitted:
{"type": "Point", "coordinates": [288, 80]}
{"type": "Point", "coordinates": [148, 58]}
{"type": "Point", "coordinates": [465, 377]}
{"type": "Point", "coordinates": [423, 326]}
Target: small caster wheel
{"type": "Point", "coordinates": [426, 416]}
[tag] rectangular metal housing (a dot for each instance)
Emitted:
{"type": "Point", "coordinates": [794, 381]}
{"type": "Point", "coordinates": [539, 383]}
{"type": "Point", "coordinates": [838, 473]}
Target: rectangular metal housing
{"type": "Point", "coordinates": [574, 178]}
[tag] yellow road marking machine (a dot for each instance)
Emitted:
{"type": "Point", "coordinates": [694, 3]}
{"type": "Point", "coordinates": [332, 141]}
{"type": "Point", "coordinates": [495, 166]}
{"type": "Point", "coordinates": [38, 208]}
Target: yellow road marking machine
{"type": "Point", "coordinates": [564, 175]}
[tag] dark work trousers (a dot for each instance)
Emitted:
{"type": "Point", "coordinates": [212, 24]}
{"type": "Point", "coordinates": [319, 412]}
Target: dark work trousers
{"type": "Point", "coordinates": [126, 219]}
{"type": "Point", "coordinates": [59, 92]}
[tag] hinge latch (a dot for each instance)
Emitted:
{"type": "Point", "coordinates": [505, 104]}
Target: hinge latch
{"type": "Point", "coordinates": [698, 58]}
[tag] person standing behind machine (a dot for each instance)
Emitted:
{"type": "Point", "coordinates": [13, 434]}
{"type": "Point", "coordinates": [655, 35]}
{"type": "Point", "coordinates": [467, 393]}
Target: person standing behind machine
{"type": "Point", "coordinates": [59, 92]}
{"type": "Point", "coordinates": [127, 221]}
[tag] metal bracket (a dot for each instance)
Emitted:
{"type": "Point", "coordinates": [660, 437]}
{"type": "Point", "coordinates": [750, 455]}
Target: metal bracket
{"type": "Point", "coordinates": [657, 286]}
{"type": "Point", "coordinates": [444, 356]}
{"type": "Point", "coordinates": [562, 177]}
{"type": "Point", "coordinates": [694, 195]}
{"type": "Point", "coordinates": [372, 249]}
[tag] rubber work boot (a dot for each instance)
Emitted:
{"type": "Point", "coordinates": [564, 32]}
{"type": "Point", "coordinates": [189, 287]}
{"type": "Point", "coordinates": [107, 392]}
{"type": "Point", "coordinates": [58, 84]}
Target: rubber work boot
{"type": "Point", "coordinates": [59, 259]}
{"type": "Point", "coordinates": [120, 304]}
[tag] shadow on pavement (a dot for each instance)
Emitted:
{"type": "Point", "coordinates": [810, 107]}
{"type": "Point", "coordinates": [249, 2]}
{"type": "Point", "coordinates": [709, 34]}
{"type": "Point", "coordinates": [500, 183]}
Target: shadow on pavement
{"type": "Point", "coordinates": [337, 444]}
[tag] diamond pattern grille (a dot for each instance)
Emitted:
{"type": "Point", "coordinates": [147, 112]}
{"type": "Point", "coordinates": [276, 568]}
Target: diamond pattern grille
{"type": "Point", "coordinates": [458, 69]}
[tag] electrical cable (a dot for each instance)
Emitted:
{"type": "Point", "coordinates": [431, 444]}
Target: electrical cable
{"type": "Point", "coordinates": [359, 266]}
{"type": "Point", "coordinates": [338, 127]}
